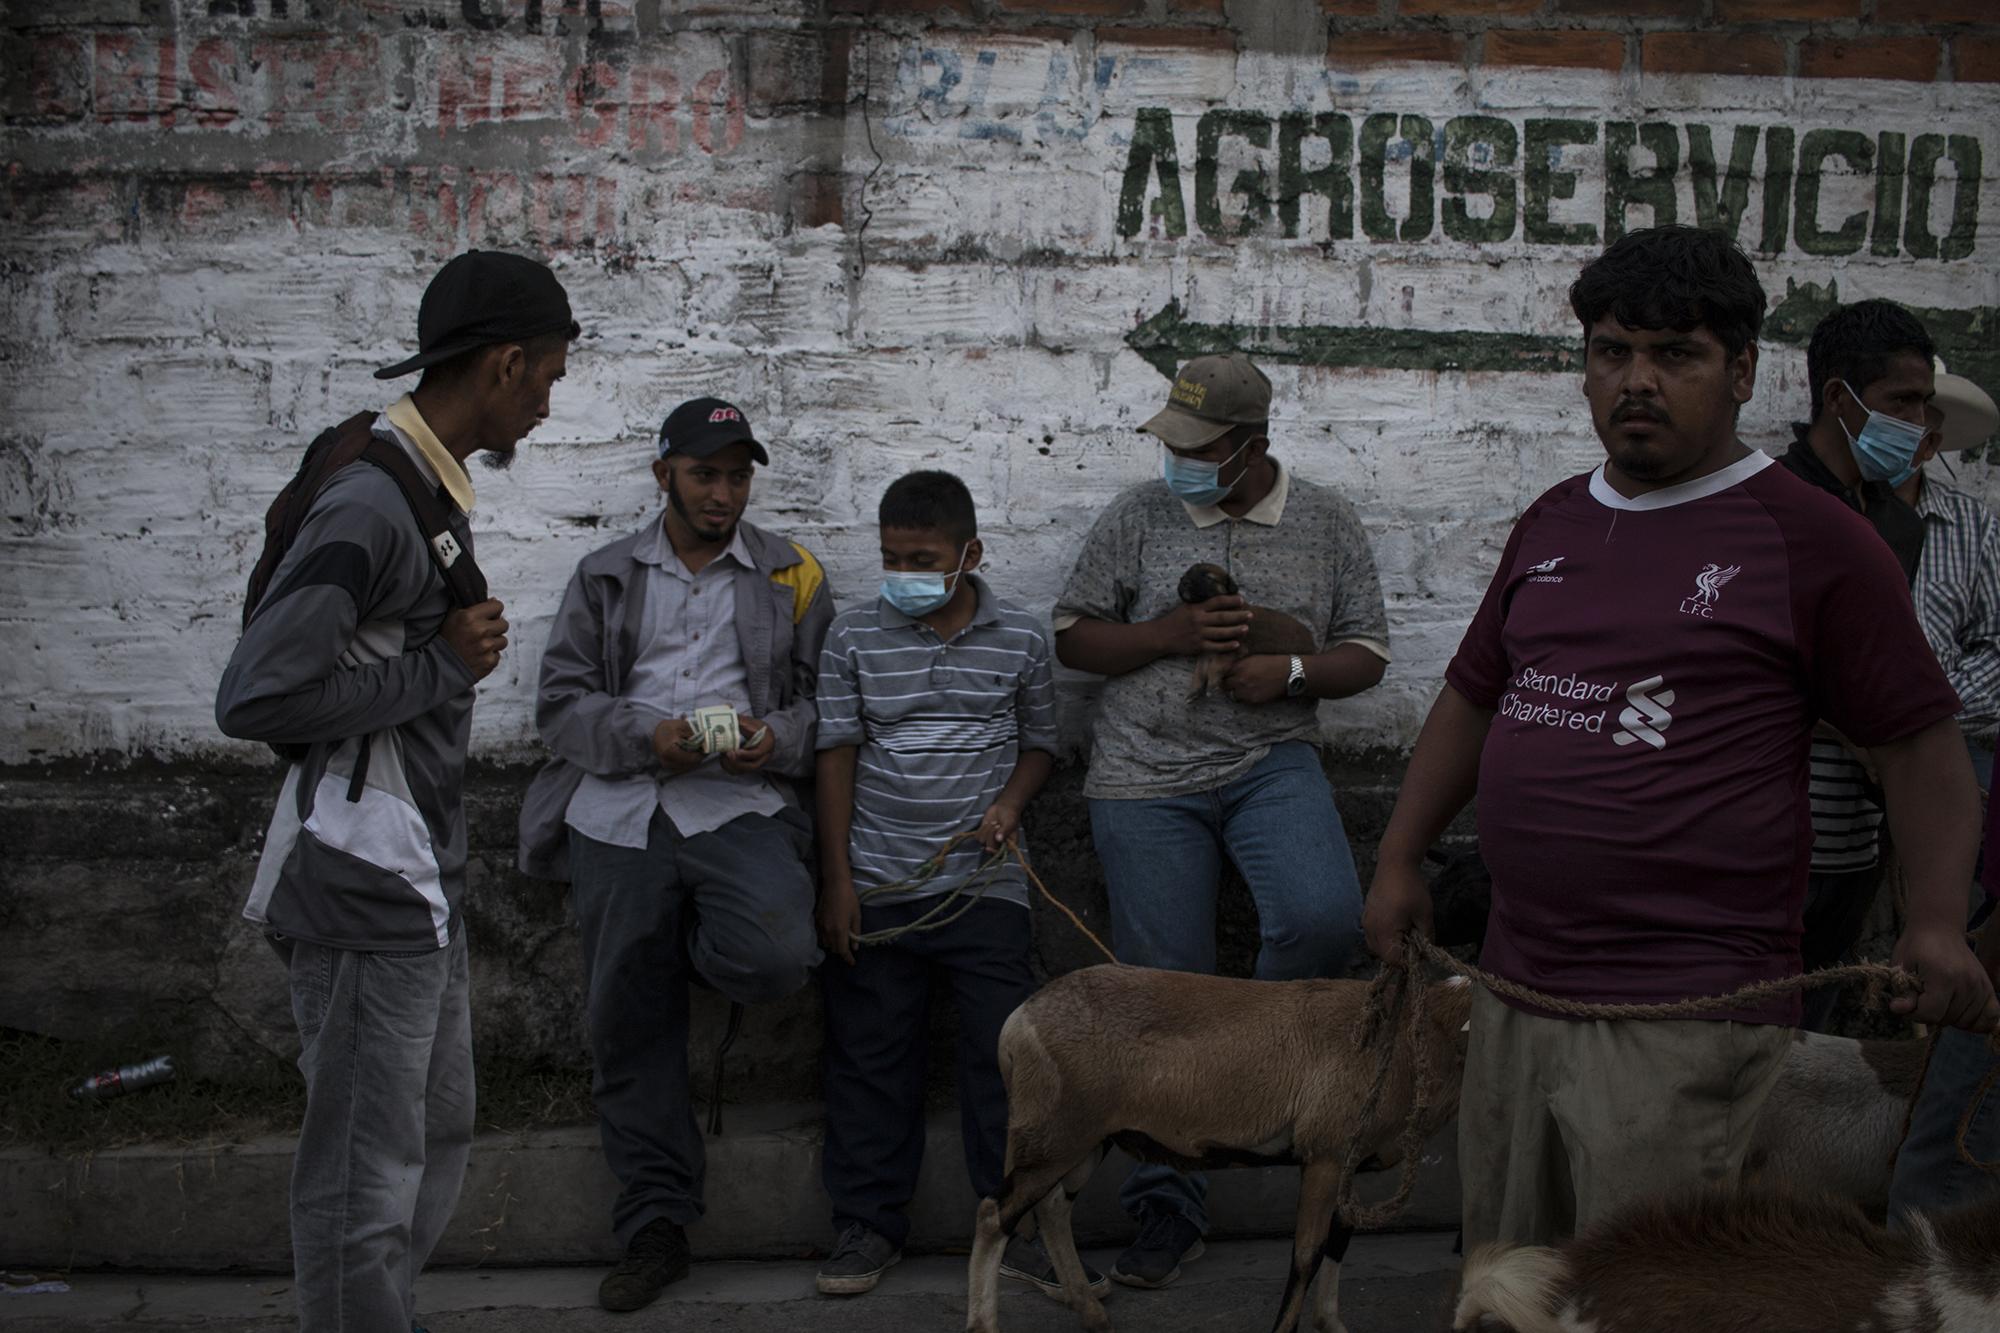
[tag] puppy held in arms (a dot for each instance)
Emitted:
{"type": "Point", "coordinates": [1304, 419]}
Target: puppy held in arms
{"type": "Point", "coordinates": [1268, 631]}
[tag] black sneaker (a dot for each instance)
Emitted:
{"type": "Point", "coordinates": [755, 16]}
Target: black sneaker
{"type": "Point", "coordinates": [1166, 1241]}
{"type": "Point", "coordinates": [656, 1258]}
{"type": "Point", "coordinates": [1026, 1261]}
{"type": "Point", "coordinates": [857, 1263]}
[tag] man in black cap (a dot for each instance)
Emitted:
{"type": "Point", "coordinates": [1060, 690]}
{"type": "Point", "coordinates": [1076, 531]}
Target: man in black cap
{"type": "Point", "coordinates": [358, 661]}
{"type": "Point", "coordinates": [686, 847]}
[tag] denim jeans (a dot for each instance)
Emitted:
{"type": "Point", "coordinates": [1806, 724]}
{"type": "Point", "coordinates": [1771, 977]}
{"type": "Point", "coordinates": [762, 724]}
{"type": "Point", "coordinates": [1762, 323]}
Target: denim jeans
{"type": "Point", "coordinates": [878, 1038]}
{"type": "Point", "coordinates": [1163, 866]}
{"type": "Point", "coordinates": [387, 1057]}
{"type": "Point", "coordinates": [735, 906]}
{"type": "Point", "coordinates": [1929, 1173]}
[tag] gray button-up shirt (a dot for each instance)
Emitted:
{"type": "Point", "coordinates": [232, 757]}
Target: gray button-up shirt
{"type": "Point", "coordinates": [689, 657]}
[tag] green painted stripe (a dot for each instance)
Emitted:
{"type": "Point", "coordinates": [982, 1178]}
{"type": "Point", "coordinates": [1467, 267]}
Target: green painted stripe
{"type": "Point", "coordinates": [1966, 339]}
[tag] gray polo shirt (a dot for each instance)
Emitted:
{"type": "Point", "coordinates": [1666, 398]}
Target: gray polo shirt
{"type": "Point", "coordinates": [1299, 550]}
{"type": "Point", "coordinates": [939, 726]}
{"type": "Point", "coordinates": [689, 657]}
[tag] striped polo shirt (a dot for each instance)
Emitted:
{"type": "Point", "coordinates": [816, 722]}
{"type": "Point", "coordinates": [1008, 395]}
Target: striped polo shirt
{"type": "Point", "coordinates": [939, 725]}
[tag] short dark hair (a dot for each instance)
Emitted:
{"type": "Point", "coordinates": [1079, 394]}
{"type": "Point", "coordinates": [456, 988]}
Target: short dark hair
{"type": "Point", "coordinates": [935, 500]}
{"type": "Point", "coordinates": [1855, 342]}
{"type": "Point", "coordinates": [1678, 278]}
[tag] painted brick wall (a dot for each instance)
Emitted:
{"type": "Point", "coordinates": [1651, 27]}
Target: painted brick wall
{"type": "Point", "coordinates": [958, 233]}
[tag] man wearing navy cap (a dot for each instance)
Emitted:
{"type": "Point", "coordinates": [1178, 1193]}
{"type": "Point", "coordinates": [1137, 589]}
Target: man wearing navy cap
{"type": "Point", "coordinates": [357, 659]}
{"type": "Point", "coordinates": [684, 864]}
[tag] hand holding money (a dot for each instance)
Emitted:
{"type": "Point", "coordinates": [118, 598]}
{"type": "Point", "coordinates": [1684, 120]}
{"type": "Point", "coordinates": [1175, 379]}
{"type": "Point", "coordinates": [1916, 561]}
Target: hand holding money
{"type": "Point", "coordinates": [714, 730]}
{"type": "Point", "coordinates": [755, 749]}
{"type": "Point", "coordinates": [671, 747]}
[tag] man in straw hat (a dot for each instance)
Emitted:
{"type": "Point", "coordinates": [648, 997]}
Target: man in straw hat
{"type": "Point", "coordinates": [1957, 594]}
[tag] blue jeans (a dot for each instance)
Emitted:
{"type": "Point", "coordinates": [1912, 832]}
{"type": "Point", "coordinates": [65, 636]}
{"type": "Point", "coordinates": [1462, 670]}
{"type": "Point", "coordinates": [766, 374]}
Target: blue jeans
{"type": "Point", "coordinates": [1163, 866]}
{"type": "Point", "coordinates": [878, 1038]}
{"type": "Point", "coordinates": [1930, 1175]}
{"type": "Point", "coordinates": [386, 1050]}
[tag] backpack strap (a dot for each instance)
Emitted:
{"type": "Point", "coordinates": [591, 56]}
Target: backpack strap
{"type": "Point", "coordinates": [462, 575]}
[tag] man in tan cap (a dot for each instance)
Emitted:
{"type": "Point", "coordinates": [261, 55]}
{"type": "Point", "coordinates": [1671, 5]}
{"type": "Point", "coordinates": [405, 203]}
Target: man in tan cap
{"type": "Point", "coordinates": [1178, 784]}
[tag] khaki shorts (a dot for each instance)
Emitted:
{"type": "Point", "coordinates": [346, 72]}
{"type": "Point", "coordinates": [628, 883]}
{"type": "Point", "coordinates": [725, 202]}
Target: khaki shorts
{"type": "Point", "coordinates": [1561, 1122]}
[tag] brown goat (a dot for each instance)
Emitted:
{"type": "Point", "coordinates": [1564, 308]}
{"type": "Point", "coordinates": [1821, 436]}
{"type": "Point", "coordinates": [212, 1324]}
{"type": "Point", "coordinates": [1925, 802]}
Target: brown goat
{"type": "Point", "coordinates": [1197, 1071]}
{"type": "Point", "coordinates": [1748, 1260]}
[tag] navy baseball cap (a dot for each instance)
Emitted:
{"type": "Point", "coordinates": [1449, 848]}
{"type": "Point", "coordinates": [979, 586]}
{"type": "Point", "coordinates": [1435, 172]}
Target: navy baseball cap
{"type": "Point", "coordinates": [484, 297]}
{"type": "Point", "coordinates": [701, 426]}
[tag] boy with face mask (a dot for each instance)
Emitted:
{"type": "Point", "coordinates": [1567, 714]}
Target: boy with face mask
{"type": "Point", "coordinates": [937, 717]}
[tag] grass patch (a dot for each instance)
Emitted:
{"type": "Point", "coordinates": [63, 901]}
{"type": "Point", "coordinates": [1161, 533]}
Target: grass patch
{"type": "Point", "coordinates": [36, 1110]}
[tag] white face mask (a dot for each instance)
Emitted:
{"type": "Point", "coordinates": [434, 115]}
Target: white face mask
{"type": "Point", "coordinates": [919, 594]}
{"type": "Point", "coordinates": [1886, 447]}
{"type": "Point", "coordinates": [1197, 482]}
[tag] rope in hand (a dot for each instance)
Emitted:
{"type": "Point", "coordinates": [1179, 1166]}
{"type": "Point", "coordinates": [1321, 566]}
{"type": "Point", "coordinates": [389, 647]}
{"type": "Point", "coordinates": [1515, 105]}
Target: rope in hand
{"type": "Point", "coordinates": [965, 894]}
{"type": "Point", "coordinates": [1394, 1014]}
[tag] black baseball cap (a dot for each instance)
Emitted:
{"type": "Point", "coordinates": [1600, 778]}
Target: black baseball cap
{"type": "Point", "coordinates": [484, 297]}
{"type": "Point", "coordinates": [701, 426]}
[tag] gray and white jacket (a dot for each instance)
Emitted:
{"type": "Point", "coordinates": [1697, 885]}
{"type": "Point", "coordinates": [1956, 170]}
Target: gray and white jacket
{"type": "Point", "coordinates": [783, 608]}
{"type": "Point", "coordinates": [343, 655]}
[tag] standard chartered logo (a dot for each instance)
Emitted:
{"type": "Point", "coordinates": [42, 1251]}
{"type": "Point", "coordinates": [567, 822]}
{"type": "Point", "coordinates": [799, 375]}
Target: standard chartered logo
{"type": "Point", "coordinates": [1646, 715]}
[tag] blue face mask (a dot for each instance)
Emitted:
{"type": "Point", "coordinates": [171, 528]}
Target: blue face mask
{"type": "Point", "coordinates": [1886, 448]}
{"type": "Point", "coordinates": [919, 594]}
{"type": "Point", "coordinates": [1196, 482]}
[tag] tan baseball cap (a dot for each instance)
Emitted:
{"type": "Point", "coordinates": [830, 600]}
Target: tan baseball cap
{"type": "Point", "coordinates": [1211, 394]}
{"type": "Point", "coordinates": [1970, 416]}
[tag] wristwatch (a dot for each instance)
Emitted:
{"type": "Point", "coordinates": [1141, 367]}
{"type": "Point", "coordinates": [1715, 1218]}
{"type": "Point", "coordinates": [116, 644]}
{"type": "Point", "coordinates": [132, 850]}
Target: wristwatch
{"type": "Point", "coordinates": [1295, 679]}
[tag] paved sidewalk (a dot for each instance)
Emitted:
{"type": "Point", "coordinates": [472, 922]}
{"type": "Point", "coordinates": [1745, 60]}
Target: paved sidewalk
{"type": "Point", "coordinates": [1395, 1283]}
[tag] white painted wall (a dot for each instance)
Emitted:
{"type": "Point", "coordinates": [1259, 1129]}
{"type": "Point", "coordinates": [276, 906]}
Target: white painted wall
{"type": "Point", "coordinates": [168, 352]}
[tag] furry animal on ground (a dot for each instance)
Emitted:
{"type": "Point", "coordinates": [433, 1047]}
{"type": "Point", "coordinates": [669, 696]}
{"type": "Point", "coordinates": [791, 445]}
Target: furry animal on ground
{"type": "Point", "coordinates": [1198, 1072]}
{"type": "Point", "coordinates": [1744, 1260]}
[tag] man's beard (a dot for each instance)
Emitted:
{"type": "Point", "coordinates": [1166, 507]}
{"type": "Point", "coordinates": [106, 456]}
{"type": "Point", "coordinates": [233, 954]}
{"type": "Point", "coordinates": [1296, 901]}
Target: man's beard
{"type": "Point", "coordinates": [674, 499]}
{"type": "Point", "coordinates": [498, 459]}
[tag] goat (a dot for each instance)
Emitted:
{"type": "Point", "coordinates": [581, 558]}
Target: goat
{"type": "Point", "coordinates": [1268, 632]}
{"type": "Point", "coordinates": [1835, 1117]}
{"type": "Point", "coordinates": [1745, 1260]}
{"type": "Point", "coordinates": [1197, 1072]}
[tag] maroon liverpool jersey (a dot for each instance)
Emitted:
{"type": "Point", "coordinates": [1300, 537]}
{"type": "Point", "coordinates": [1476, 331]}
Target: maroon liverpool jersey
{"type": "Point", "coordinates": [1656, 666]}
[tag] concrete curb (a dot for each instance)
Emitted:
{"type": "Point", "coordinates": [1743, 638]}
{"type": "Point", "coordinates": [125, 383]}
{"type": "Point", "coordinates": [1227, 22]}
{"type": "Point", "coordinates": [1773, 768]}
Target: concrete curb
{"type": "Point", "coordinates": [545, 1198]}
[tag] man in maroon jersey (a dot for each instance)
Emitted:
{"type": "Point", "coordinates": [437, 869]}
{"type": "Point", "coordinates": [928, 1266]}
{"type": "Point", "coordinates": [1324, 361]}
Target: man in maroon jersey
{"type": "Point", "coordinates": [1633, 702]}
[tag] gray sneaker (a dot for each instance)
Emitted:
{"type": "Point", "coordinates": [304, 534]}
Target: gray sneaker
{"type": "Point", "coordinates": [1026, 1261]}
{"type": "Point", "coordinates": [857, 1263]}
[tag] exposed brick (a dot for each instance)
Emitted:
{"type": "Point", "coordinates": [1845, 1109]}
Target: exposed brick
{"type": "Point", "coordinates": [1976, 59]}
{"type": "Point", "coordinates": [1212, 8]}
{"type": "Point", "coordinates": [818, 199]}
{"type": "Point", "coordinates": [1936, 11]}
{"type": "Point", "coordinates": [45, 78]}
{"type": "Point", "coordinates": [1801, 11]}
{"type": "Point", "coordinates": [1103, 9]}
{"type": "Point", "coordinates": [1560, 50]}
{"type": "Point", "coordinates": [1354, 49]}
{"type": "Point", "coordinates": [1911, 59]}
{"type": "Point", "coordinates": [1711, 53]}
{"type": "Point", "coordinates": [1468, 8]}
{"type": "Point", "coordinates": [1353, 9]}
{"type": "Point", "coordinates": [1191, 39]}
{"type": "Point", "coordinates": [893, 7]}
{"type": "Point", "coordinates": [1633, 9]}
